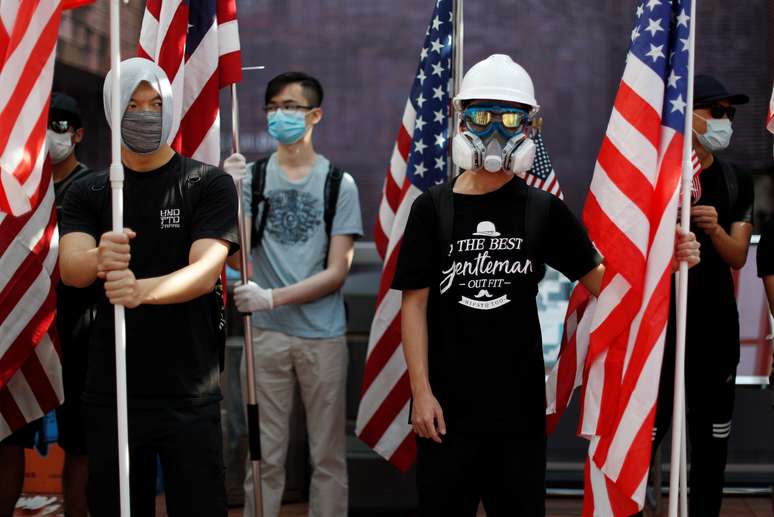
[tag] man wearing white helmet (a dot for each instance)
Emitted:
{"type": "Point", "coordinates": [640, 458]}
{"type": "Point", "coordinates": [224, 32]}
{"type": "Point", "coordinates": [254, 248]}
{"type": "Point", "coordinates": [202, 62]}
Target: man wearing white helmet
{"type": "Point", "coordinates": [472, 256]}
{"type": "Point", "coordinates": [182, 215]}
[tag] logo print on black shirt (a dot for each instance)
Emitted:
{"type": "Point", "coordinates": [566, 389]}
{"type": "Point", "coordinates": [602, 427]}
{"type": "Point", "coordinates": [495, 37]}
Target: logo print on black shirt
{"type": "Point", "coordinates": [485, 262]}
{"type": "Point", "coordinates": [170, 218]}
{"type": "Point", "coordinates": [293, 216]}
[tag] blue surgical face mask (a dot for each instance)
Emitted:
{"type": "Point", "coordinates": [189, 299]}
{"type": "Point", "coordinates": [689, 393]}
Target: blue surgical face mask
{"type": "Point", "coordinates": [718, 134]}
{"type": "Point", "coordinates": [288, 127]}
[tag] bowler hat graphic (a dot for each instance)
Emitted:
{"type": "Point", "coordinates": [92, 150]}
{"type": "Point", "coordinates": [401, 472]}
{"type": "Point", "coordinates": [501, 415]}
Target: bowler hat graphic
{"type": "Point", "coordinates": [487, 229]}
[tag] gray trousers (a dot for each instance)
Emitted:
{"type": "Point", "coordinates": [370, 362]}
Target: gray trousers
{"type": "Point", "coordinates": [320, 368]}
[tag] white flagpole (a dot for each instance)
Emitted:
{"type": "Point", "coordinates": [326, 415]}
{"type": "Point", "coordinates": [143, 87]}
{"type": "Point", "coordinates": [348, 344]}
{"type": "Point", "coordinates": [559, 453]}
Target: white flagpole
{"type": "Point", "coordinates": [458, 43]}
{"type": "Point", "coordinates": [117, 192]}
{"type": "Point", "coordinates": [253, 421]}
{"type": "Point", "coordinates": [678, 412]}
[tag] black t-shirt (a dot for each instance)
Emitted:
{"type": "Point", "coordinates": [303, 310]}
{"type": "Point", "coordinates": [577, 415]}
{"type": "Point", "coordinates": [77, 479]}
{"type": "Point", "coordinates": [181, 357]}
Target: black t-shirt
{"type": "Point", "coordinates": [73, 305]}
{"type": "Point", "coordinates": [765, 255]}
{"type": "Point", "coordinates": [485, 349]}
{"type": "Point", "coordinates": [171, 352]}
{"type": "Point", "coordinates": [712, 339]}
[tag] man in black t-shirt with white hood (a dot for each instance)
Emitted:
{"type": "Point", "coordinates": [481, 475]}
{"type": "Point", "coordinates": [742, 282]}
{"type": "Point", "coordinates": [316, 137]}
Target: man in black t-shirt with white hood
{"type": "Point", "coordinates": [182, 216]}
{"type": "Point", "coordinates": [469, 320]}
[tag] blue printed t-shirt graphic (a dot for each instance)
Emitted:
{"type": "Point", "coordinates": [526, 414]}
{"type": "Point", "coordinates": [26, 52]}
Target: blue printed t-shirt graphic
{"type": "Point", "coordinates": [294, 216]}
{"type": "Point", "coordinates": [660, 41]}
{"type": "Point", "coordinates": [427, 160]}
{"type": "Point", "coordinates": [294, 246]}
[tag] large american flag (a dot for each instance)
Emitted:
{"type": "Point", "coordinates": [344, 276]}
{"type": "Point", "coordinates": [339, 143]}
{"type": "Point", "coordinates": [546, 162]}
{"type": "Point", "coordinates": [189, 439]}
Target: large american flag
{"type": "Point", "coordinates": [30, 365]}
{"type": "Point", "coordinates": [631, 214]}
{"type": "Point", "coordinates": [419, 160]}
{"type": "Point", "coordinates": [196, 42]}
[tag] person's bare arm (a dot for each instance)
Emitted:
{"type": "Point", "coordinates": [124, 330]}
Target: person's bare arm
{"type": "Point", "coordinates": [81, 260]}
{"type": "Point", "coordinates": [205, 262]}
{"type": "Point", "coordinates": [235, 260]}
{"type": "Point", "coordinates": [340, 253]}
{"type": "Point", "coordinates": [732, 247]}
{"type": "Point", "coordinates": [686, 249]}
{"type": "Point", "coordinates": [426, 414]}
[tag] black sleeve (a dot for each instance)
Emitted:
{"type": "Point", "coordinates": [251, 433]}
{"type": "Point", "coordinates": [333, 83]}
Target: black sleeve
{"type": "Point", "coordinates": [765, 254]}
{"type": "Point", "coordinates": [567, 247]}
{"type": "Point", "coordinates": [416, 267]}
{"type": "Point", "coordinates": [215, 215]}
{"type": "Point", "coordinates": [79, 213]}
{"type": "Point", "coordinates": [742, 211]}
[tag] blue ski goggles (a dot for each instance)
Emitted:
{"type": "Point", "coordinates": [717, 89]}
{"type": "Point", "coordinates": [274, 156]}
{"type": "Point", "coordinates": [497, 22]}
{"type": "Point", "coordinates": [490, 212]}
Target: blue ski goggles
{"type": "Point", "coordinates": [482, 120]}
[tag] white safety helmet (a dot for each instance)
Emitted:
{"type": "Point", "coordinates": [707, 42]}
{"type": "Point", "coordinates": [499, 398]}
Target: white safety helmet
{"type": "Point", "coordinates": [498, 78]}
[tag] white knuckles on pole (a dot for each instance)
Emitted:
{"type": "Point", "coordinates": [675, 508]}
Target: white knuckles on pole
{"type": "Point", "coordinates": [497, 78]}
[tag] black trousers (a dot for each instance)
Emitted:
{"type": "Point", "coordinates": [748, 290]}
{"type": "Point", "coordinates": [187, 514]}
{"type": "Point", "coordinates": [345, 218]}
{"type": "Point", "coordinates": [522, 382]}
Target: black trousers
{"type": "Point", "coordinates": [709, 400]}
{"type": "Point", "coordinates": [189, 445]}
{"type": "Point", "coordinates": [504, 470]}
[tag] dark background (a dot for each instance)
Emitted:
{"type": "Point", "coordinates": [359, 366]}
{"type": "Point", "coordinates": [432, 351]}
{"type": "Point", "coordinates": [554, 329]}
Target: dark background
{"type": "Point", "coordinates": [365, 52]}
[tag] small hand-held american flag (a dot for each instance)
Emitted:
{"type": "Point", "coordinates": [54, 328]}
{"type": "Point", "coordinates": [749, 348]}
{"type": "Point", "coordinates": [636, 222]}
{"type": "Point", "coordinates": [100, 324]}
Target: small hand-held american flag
{"type": "Point", "coordinates": [419, 160]}
{"type": "Point", "coordinates": [30, 365]}
{"type": "Point", "coordinates": [196, 42]}
{"type": "Point", "coordinates": [630, 214]}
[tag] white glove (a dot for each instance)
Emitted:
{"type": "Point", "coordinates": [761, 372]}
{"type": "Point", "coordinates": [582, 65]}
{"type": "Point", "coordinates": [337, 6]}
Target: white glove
{"type": "Point", "coordinates": [251, 297]}
{"type": "Point", "coordinates": [236, 167]}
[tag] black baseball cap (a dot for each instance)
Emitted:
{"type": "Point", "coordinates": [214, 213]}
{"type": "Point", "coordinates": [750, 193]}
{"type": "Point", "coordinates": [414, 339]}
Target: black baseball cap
{"type": "Point", "coordinates": [707, 89]}
{"type": "Point", "coordinates": [64, 107]}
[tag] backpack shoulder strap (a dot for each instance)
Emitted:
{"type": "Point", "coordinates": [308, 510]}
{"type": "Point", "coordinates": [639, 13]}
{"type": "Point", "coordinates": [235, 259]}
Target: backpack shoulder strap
{"type": "Point", "coordinates": [258, 172]}
{"type": "Point", "coordinates": [443, 200]}
{"type": "Point", "coordinates": [190, 182]}
{"type": "Point", "coordinates": [732, 183]}
{"type": "Point", "coordinates": [535, 215]}
{"type": "Point", "coordinates": [331, 193]}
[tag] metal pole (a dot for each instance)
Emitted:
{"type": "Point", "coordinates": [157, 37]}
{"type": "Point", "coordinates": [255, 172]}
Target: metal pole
{"type": "Point", "coordinates": [458, 42]}
{"type": "Point", "coordinates": [117, 195]}
{"type": "Point", "coordinates": [253, 427]}
{"type": "Point", "coordinates": [678, 413]}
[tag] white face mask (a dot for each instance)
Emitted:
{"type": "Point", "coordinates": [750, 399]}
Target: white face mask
{"type": "Point", "coordinates": [718, 134]}
{"type": "Point", "coordinates": [60, 146]}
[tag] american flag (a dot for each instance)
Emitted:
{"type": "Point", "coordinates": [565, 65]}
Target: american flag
{"type": "Point", "coordinates": [30, 364]}
{"type": "Point", "coordinates": [196, 42]}
{"type": "Point", "coordinates": [770, 117]}
{"type": "Point", "coordinates": [630, 214]}
{"type": "Point", "coordinates": [419, 160]}
{"type": "Point", "coordinates": [542, 175]}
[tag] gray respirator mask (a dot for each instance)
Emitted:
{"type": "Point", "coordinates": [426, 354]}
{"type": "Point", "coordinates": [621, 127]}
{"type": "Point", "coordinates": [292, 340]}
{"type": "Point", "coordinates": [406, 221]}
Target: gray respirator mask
{"type": "Point", "coordinates": [141, 131]}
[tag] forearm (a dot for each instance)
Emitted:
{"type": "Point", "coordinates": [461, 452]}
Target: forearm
{"type": "Point", "coordinates": [414, 338]}
{"type": "Point", "coordinates": [181, 286]}
{"type": "Point", "coordinates": [732, 251]}
{"type": "Point", "coordinates": [78, 268]}
{"type": "Point", "coordinates": [313, 288]}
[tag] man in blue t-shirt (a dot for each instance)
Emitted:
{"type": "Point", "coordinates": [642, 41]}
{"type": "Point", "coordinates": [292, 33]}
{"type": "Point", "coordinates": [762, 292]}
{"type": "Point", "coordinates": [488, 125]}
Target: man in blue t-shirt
{"type": "Point", "coordinates": [300, 257]}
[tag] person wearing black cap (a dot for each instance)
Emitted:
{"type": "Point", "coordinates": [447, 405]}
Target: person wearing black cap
{"type": "Point", "coordinates": [721, 218]}
{"type": "Point", "coordinates": [75, 308]}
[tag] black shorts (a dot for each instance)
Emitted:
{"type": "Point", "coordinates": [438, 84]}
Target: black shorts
{"type": "Point", "coordinates": [70, 420]}
{"type": "Point", "coordinates": [504, 471]}
{"type": "Point", "coordinates": [25, 436]}
{"type": "Point", "coordinates": [188, 443]}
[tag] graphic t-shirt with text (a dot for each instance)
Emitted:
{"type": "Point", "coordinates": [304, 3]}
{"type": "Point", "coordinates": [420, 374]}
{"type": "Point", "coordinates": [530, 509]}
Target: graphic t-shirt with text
{"type": "Point", "coordinates": [485, 350]}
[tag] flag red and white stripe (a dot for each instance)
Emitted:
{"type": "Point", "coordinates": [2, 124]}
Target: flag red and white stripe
{"type": "Point", "coordinates": [30, 365]}
{"type": "Point", "coordinates": [198, 48]}
{"type": "Point", "coordinates": [770, 116]}
{"type": "Point", "coordinates": [631, 211]}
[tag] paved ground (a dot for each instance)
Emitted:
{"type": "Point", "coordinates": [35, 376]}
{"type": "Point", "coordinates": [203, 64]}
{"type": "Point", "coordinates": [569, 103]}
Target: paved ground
{"type": "Point", "coordinates": [557, 507]}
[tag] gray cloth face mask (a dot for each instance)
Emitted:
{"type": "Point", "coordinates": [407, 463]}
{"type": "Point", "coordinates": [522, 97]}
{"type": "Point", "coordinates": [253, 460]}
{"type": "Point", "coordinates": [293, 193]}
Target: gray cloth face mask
{"type": "Point", "coordinates": [141, 131]}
